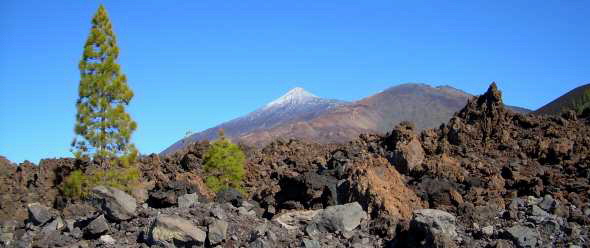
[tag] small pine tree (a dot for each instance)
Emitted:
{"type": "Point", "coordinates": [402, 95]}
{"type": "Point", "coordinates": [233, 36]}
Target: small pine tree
{"type": "Point", "coordinates": [224, 165]}
{"type": "Point", "coordinates": [103, 128]}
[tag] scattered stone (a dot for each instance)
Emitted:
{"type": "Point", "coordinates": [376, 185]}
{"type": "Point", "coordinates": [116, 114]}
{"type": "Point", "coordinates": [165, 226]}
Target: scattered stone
{"type": "Point", "coordinates": [39, 214]}
{"type": "Point", "coordinates": [56, 224]}
{"type": "Point", "coordinates": [531, 200]}
{"type": "Point", "coordinates": [116, 204]}
{"type": "Point", "coordinates": [97, 226]}
{"type": "Point", "coordinates": [309, 243]}
{"type": "Point", "coordinates": [538, 215]}
{"type": "Point", "coordinates": [7, 229]}
{"type": "Point", "coordinates": [167, 228]}
{"type": "Point", "coordinates": [217, 231]}
{"type": "Point", "coordinates": [140, 194]}
{"type": "Point", "coordinates": [107, 240]}
{"type": "Point", "coordinates": [434, 224]}
{"type": "Point", "coordinates": [292, 220]}
{"type": "Point", "coordinates": [548, 203]}
{"type": "Point", "coordinates": [218, 212]}
{"type": "Point", "coordinates": [523, 236]}
{"type": "Point", "coordinates": [244, 211]}
{"type": "Point", "coordinates": [488, 230]}
{"type": "Point", "coordinates": [187, 200]}
{"type": "Point", "coordinates": [340, 217]}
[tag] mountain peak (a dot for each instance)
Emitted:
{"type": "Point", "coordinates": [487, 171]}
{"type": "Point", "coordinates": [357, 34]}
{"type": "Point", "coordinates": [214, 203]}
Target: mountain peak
{"type": "Point", "coordinates": [296, 95]}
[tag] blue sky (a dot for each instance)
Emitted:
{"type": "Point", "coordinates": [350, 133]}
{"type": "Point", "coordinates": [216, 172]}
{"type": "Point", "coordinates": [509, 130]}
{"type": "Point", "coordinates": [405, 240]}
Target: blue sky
{"type": "Point", "coordinates": [195, 64]}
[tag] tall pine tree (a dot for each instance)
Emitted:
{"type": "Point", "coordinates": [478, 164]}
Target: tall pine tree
{"type": "Point", "coordinates": [103, 128]}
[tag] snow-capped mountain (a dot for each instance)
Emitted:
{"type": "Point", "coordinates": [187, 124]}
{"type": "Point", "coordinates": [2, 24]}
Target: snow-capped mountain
{"type": "Point", "coordinates": [299, 114]}
{"type": "Point", "coordinates": [295, 105]}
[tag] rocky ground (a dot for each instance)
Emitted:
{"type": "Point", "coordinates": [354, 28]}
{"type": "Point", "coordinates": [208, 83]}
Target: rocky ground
{"type": "Point", "coordinates": [488, 178]}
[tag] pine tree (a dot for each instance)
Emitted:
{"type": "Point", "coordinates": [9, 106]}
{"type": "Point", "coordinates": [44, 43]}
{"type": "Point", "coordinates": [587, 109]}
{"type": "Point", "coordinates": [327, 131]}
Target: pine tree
{"type": "Point", "coordinates": [224, 165]}
{"type": "Point", "coordinates": [103, 128]}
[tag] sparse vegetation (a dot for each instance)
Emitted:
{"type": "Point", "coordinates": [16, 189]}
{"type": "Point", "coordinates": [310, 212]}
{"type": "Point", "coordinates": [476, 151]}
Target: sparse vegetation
{"type": "Point", "coordinates": [79, 184]}
{"type": "Point", "coordinates": [224, 165]}
{"type": "Point", "coordinates": [103, 128]}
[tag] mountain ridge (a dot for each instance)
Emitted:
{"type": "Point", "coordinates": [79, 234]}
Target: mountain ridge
{"type": "Point", "coordinates": [303, 115]}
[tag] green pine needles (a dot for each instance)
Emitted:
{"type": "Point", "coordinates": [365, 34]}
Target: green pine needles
{"type": "Point", "coordinates": [103, 128]}
{"type": "Point", "coordinates": [224, 165]}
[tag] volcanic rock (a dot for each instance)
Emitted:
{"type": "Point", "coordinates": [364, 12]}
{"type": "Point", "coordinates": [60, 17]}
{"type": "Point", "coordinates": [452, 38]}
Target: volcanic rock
{"type": "Point", "coordinates": [97, 226]}
{"type": "Point", "coordinates": [217, 231]}
{"type": "Point", "coordinates": [523, 236]}
{"type": "Point", "coordinates": [187, 200]}
{"type": "Point", "coordinates": [340, 218]}
{"type": "Point", "coordinates": [116, 204]}
{"type": "Point", "coordinates": [167, 228]}
{"type": "Point", "coordinates": [39, 214]}
{"type": "Point", "coordinates": [434, 225]}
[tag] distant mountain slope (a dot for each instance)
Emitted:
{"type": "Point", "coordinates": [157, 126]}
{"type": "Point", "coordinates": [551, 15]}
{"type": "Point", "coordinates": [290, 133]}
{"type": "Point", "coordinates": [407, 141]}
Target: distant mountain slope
{"type": "Point", "coordinates": [577, 99]}
{"type": "Point", "coordinates": [299, 114]}
{"type": "Point", "coordinates": [296, 105]}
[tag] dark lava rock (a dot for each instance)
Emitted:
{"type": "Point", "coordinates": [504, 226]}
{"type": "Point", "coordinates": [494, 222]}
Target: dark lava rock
{"type": "Point", "coordinates": [39, 214]}
{"type": "Point", "coordinates": [97, 227]}
{"type": "Point", "coordinates": [230, 195]}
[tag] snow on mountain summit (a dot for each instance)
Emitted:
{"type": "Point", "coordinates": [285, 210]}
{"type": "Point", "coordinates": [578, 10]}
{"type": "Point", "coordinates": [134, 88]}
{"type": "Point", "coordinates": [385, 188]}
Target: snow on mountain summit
{"type": "Point", "coordinates": [296, 95]}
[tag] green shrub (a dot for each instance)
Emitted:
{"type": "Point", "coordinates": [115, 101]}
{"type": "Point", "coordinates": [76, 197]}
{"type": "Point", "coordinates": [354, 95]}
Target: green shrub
{"type": "Point", "coordinates": [224, 165]}
{"type": "Point", "coordinates": [78, 184]}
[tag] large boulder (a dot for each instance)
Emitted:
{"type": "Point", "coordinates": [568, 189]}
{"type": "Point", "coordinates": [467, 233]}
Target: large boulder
{"type": "Point", "coordinates": [340, 217]}
{"type": "Point", "coordinates": [39, 214]}
{"type": "Point", "coordinates": [170, 229]}
{"type": "Point", "coordinates": [116, 204]}
{"type": "Point", "coordinates": [433, 226]}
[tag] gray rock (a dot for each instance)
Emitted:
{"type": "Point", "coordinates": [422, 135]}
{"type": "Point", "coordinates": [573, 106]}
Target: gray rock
{"type": "Point", "coordinates": [292, 220]}
{"type": "Point", "coordinates": [116, 204]}
{"type": "Point", "coordinates": [140, 194]}
{"type": "Point", "coordinates": [70, 224]}
{"type": "Point", "coordinates": [434, 223]}
{"type": "Point", "coordinates": [312, 230]}
{"type": "Point", "coordinates": [340, 217]}
{"type": "Point", "coordinates": [56, 224]}
{"type": "Point", "coordinates": [167, 228]}
{"type": "Point", "coordinates": [548, 203]}
{"type": "Point", "coordinates": [259, 243]}
{"type": "Point", "coordinates": [187, 200]}
{"type": "Point", "coordinates": [249, 206]}
{"type": "Point", "coordinates": [218, 212]}
{"type": "Point", "coordinates": [538, 215]}
{"type": "Point", "coordinates": [107, 240]}
{"type": "Point", "coordinates": [97, 226]}
{"type": "Point", "coordinates": [488, 230]}
{"type": "Point", "coordinates": [244, 211]}
{"type": "Point", "coordinates": [523, 236]}
{"type": "Point", "coordinates": [217, 231]}
{"type": "Point", "coordinates": [531, 200]}
{"type": "Point", "coordinates": [39, 214]}
{"type": "Point", "coordinates": [309, 243]}
{"type": "Point", "coordinates": [7, 229]}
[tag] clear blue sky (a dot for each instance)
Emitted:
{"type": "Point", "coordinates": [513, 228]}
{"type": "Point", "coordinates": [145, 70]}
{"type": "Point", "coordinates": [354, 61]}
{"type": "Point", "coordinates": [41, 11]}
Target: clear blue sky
{"type": "Point", "coordinates": [195, 64]}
